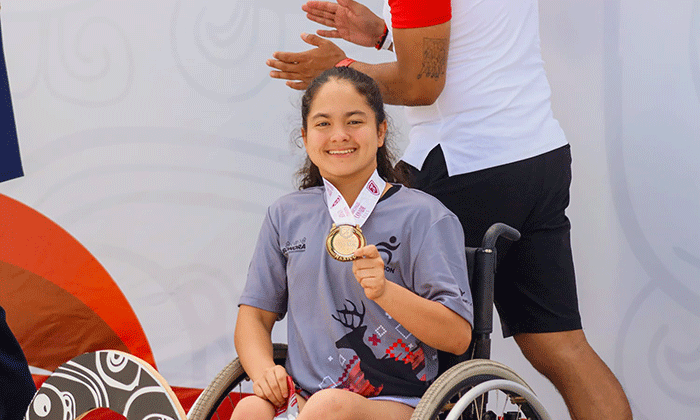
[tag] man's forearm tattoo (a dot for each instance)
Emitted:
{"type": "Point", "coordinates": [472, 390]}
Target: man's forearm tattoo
{"type": "Point", "coordinates": [434, 57]}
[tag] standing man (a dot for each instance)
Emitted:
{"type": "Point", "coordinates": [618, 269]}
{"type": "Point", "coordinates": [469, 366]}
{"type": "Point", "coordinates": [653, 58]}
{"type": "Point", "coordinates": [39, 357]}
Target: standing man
{"type": "Point", "coordinates": [483, 141]}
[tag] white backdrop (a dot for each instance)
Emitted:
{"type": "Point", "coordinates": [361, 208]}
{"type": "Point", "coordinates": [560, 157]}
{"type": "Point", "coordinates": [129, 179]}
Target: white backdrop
{"type": "Point", "coordinates": [151, 132]}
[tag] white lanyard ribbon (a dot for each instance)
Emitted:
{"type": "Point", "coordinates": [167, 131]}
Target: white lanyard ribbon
{"type": "Point", "coordinates": [365, 202]}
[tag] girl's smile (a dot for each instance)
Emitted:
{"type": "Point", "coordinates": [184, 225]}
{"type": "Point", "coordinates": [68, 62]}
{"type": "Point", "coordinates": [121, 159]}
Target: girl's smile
{"type": "Point", "coordinates": [341, 152]}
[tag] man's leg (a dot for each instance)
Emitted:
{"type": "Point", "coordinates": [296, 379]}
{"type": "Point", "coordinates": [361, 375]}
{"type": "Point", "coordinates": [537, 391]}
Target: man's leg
{"type": "Point", "coordinates": [589, 388]}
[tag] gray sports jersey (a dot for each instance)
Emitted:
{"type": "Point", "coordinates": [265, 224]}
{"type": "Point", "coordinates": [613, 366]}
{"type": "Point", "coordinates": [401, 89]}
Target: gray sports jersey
{"type": "Point", "coordinates": [337, 337]}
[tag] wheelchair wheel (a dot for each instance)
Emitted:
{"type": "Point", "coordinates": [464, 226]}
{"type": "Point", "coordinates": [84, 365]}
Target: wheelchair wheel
{"type": "Point", "coordinates": [479, 389]}
{"type": "Point", "coordinates": [217, 400]}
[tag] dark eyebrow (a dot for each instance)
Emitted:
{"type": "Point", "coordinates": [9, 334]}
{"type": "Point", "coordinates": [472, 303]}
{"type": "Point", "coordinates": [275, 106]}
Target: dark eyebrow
{"type": "Point", "coordinates": [347, 114]}
{"type": "Point", "coordinates": [357, 112]}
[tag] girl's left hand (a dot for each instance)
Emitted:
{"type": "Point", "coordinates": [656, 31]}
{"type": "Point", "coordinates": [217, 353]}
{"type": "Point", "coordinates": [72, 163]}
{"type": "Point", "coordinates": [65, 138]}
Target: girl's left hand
{"type": "Point", "coordinates": [368, 269]}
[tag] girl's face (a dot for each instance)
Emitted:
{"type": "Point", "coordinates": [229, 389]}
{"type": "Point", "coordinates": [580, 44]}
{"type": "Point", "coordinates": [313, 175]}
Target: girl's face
{"type": "Point", "coordinates": [341, 135]}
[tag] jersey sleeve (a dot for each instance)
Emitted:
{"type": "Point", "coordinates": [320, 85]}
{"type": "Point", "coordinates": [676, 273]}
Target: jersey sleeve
{"type": "Point", "coordinates": [266, 284]}
{"type": "Point", "coordinates": [406, 14]}
{"type": "Point", "coordinates": [440, 270]}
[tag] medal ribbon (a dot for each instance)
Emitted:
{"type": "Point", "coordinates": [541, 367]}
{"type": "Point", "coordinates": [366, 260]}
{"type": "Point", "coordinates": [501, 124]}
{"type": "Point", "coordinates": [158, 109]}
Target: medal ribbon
{"type": "Point", "coordinates": [365, 202]}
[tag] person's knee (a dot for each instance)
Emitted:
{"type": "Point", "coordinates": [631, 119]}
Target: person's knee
{"type": "Point", "coordinates": [547, 351]}
{"type": "Point", "coordinates": [253, 407]}
{"type": "Point", "coordinates": [328, 403]}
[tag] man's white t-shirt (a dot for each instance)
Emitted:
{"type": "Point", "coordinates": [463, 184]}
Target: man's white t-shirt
{"type": "Point", "coordinates": [495, 107]}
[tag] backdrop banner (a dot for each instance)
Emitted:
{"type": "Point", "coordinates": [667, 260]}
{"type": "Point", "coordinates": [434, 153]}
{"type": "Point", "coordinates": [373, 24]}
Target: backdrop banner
{"type": "Point", "coordinates": [154, 140]}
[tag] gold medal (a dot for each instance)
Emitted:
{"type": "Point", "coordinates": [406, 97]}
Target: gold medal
{"type": "Point", "coordinates": [343, 240]}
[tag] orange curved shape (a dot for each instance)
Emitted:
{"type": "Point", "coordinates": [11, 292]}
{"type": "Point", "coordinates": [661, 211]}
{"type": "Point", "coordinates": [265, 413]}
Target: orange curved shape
{"type": "Point", "coordinates": [60, 301]}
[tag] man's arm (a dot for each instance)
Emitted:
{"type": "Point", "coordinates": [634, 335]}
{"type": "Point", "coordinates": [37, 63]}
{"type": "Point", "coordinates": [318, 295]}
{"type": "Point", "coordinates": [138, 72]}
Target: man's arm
{"type": "Point", "coordinates": [417, 77]}
{"type": "Point", "coordinates": [352, 21]}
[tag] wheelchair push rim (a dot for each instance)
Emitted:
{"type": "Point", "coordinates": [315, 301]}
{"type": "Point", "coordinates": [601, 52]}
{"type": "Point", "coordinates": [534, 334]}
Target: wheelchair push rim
{"type": "Point", "coordinates": [477, 383]}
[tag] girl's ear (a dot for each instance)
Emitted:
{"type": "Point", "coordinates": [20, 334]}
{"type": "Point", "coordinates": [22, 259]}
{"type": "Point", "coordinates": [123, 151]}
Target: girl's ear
{"type": "Point", "coordinates": [381, 133]}
{"type": "Point", "coordinates": [303, 136]}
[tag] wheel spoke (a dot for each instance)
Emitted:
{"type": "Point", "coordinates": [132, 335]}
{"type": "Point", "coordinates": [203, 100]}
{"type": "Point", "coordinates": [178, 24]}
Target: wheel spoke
{"type": "Point", "coordinates": [505, 402]}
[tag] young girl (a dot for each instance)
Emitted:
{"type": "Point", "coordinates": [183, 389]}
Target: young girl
{"type": "Point", "coordinates": [364, 321]}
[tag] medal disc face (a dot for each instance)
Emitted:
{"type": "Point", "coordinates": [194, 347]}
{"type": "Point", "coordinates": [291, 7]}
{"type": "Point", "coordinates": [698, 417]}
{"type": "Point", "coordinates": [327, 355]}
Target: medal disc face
{"type": "Point", "coordinates": [343, 240]}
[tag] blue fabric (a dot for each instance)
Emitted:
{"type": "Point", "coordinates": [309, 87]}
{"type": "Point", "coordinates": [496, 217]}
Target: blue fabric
{"type": "Point", "coordinates": [10, 163]}
{"type": "Point", "coordinates": [16, 384]}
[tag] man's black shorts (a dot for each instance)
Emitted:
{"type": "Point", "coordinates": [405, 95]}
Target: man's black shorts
{"type": "Point", "coordinates": [535, 288]}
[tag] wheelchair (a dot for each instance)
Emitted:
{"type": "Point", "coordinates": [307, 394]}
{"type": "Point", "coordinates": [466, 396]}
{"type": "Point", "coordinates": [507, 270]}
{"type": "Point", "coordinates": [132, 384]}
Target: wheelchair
{"type": "Point", "coordinates": [469, 386]}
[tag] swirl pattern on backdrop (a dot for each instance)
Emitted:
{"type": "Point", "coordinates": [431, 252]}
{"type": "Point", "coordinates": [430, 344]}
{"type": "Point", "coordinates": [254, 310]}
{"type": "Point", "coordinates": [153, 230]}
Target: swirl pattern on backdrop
{"type": "Point", "coordinates": [221, 49]}
{"type": "Point", "coordinates": [105, 379]}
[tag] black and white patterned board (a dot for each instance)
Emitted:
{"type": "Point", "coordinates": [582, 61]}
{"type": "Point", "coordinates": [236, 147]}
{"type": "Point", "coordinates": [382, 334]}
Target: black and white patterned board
{"type": "Point", "coordinates": [109, 379]}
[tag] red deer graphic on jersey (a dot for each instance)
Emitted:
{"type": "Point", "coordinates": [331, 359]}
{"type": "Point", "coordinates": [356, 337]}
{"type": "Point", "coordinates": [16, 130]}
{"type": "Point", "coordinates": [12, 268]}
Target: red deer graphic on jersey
{"type": "Point", "coordinates": [387, 375]}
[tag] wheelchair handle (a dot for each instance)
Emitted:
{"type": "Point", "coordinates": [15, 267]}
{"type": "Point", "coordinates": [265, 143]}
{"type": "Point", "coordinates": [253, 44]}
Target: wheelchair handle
{"type": "Point", "coordinates": [497, 230]}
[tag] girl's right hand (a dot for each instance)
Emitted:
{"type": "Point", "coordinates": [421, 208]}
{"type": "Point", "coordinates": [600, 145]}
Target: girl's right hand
{"type": "Point", "coordinates": [272, 385]}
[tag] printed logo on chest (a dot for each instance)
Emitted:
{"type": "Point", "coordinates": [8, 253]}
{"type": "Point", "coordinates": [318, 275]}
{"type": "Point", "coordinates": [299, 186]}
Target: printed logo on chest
{"type": "Point", "coordinates": [389, 248]}
{"type": "Point", "coordinates": [298, 245]}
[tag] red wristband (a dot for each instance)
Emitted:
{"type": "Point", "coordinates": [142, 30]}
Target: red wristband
{"type": "Point", "coordinates": [345, 62]}
{"type": "Point", "coordinates": [380, 43]}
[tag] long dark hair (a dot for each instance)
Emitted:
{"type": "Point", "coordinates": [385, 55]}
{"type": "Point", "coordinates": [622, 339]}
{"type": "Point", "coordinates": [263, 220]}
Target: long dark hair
{"type": "Point", "coordinates": [309, 175]}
